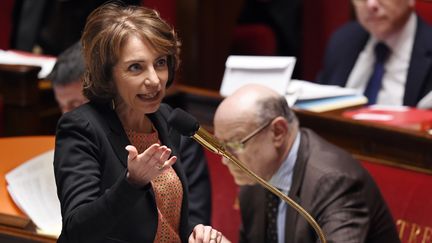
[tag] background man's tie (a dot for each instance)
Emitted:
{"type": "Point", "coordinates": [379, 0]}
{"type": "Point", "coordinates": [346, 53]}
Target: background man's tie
{"type": "Point", "coordinates": [374, 84]}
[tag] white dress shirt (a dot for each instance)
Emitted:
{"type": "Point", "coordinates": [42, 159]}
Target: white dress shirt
{"type": "Point", "coordinates": [282, 179]}
{"type": "Point", "coordinates": [396, 67]}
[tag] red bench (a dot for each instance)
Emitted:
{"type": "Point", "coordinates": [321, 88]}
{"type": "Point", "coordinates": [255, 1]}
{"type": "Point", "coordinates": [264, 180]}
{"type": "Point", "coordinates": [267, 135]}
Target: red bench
{"type": "Point", "coordinates": [408, 195]}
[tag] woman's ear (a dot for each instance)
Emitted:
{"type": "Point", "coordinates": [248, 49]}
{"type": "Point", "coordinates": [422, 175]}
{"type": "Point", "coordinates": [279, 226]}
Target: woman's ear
{"type": "Point", "coordinates": [279, 128]}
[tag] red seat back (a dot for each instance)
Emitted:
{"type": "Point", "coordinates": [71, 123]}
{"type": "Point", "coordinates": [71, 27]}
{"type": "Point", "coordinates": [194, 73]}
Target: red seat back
{"type": "Point", "coordinates": [320, 19]}
{"type": "Point", "coordinates": [6, 7]}
{"type": "Point", "coordinates": [166, 8]}
{"type": "Point", "coordinates": [424, 10]}
{"type": "Point", "coordinates": [408, 195]}
{"type": "Point", "coordinates": [254, 39]}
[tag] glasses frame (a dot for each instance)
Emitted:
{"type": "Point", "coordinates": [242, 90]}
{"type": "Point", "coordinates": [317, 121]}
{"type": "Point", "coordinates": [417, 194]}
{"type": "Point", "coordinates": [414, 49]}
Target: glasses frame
{"type": "Point", "coordinates": [240, 145]}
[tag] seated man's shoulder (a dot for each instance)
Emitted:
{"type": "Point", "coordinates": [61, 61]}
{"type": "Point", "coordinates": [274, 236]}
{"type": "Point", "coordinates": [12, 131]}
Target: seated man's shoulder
{"type": "Point", "coordinates": [350, 30]}
{"type": "Point", "coordinates": [329, 158]}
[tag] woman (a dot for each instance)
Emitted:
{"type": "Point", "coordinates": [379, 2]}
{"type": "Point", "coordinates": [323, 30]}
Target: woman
{"type": "Point", "coordinates": [115, 156]}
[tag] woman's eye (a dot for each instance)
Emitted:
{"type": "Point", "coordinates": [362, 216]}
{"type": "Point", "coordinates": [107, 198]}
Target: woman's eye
{"type": "Point", "coordinates": [162, 62]}
{"type": "Point", "coordinates": [135, 67]}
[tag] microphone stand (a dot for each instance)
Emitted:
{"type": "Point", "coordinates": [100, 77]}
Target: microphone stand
{"type": "Point", "coordinates": [203, 137]}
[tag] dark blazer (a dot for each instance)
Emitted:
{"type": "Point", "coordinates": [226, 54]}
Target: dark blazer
{"type": "Point", "coordinates": [346, 44]}
{"type": "Point", "coordinates": [337, 192]}
{"type": "Point", "coordinates": [97, 203]}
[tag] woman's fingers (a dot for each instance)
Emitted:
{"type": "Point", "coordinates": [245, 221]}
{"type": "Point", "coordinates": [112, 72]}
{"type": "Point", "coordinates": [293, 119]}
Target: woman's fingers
{"type": "Point", "coordinates": [132, 152]}
{"type": "Point", "coordinates": [146, 166]}
{"type": "Point", "coordinates": [205, 234]}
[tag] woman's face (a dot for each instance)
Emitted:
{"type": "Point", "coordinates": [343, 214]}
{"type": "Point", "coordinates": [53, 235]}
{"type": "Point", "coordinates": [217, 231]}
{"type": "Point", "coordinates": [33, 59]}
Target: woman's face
{"type": "Point", "coordinates": [140, 76]}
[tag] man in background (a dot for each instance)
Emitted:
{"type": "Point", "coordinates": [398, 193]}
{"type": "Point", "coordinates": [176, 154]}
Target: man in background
{"type": "Point", "coordinates": [256, 125]}
{"type": "Point", "coordinates": [67, 76]}
{"type": "Point", "coordinates": [386, 54]}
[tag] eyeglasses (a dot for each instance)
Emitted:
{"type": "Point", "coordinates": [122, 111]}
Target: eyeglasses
{"type": "Point", "coordinates": [236, 146]}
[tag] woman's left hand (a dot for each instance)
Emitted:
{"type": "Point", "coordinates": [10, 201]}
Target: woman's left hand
{"type": "Point", "coordinates": [206, 234]}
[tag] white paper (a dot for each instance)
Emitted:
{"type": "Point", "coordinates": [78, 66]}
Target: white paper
{"type": "Point", "coordinates": [46, 63]}
{"type": "Point", "coordinates": [305, 90]}
{"type": "Point", "coordinates": [32, 187]}
{"type": "Point", "coordinates": [373, 116]}
{"type": "Point", "coordinates": [392, 108]}
{"type": "Point", "coordinates": [271, 71]}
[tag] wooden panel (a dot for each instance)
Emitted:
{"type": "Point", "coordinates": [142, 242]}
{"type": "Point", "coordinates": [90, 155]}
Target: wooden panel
{"type": "Point", "coordinates": [27, 109]}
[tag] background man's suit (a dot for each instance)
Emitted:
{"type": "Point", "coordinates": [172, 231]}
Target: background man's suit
{"type": "Point", "coordinates": [346, 44]}
{"type": "Point", "coordinates": [334, 189]}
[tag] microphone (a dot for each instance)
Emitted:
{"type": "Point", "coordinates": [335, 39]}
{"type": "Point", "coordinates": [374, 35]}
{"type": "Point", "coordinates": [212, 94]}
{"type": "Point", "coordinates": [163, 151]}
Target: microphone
{"type": "Point", "coordinates": [187, 125]}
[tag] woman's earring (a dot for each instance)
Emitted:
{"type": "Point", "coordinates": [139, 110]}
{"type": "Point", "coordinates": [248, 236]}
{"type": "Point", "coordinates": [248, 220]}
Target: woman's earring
{"type": "Point", "coordinates": [113, 106]}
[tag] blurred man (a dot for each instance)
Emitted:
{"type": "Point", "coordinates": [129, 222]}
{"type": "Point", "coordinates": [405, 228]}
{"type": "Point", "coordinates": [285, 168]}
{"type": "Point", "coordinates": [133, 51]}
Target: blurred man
{"type": "Point", "coordinates": [386, 53]}
{"type": "Point", "coordinates": [67, 76]}
{"type": "Point", "coordinates": [257, 126]}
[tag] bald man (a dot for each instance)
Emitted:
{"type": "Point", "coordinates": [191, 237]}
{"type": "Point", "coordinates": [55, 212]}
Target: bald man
{"type": "Point", "coordinates": [258, 127]}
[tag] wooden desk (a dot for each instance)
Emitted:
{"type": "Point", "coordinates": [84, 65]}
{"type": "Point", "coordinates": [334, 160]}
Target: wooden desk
{"type": "Point", "coordinates": [29, 104]}
{"type": "Point", "coordinates": [365, 140]}
{"type": "Point", "coordinates": [13, 152]}
{"type": "Point", "coordinates": [371, 141]}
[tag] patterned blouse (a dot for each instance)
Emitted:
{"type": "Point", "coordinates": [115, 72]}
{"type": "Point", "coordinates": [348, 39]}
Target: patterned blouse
{"type": "Point", "coordinates": [168, 191]}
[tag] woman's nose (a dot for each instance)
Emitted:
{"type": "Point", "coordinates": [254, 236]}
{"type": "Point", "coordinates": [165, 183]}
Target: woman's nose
{"type": "Point", "coordinates": [152, 79]}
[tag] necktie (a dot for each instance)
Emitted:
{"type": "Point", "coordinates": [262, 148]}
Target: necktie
{"type": "Point", "coordinates": [374, 84]}
{"type": "Point", "coordinates": [271, 215]}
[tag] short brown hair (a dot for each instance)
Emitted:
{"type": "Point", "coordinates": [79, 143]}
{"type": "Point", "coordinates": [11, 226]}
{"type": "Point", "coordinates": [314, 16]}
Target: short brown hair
{"type": "Point", "coordinates": [105, 33]}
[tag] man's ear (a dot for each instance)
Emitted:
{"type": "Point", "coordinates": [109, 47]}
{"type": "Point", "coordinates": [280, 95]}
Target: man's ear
{"type": "Point", "coordinates": [279, 128]}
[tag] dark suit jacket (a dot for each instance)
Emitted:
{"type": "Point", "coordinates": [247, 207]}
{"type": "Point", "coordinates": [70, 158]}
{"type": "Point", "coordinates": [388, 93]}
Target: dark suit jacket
{"type": "Point", "coordinates": [337, 192]}
{"type": "Point", "coordinates": [97, 203]}
{"type": "Point", "coordinates": [346, 44]}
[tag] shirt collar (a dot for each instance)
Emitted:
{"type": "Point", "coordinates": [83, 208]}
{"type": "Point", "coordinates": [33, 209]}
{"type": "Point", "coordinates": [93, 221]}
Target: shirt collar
{"type": "Point", "coordinates": [283, 177]}
{"type": "Point", "coordinates": [401, 42]}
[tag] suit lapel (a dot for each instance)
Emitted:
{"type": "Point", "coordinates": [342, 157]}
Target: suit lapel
{"type": "Point", "coordinates": [116, 134]}
{"type": "Point", "coordinates": [351, 50]}
{"type": "Point", "coordinates": [298, 174]}
{"type": "Point", "coordinates": [420, 63]}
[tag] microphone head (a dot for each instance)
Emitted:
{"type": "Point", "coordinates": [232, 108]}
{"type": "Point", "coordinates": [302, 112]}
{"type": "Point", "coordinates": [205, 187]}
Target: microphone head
{"type": "Point", "coordinates": [183, 122]}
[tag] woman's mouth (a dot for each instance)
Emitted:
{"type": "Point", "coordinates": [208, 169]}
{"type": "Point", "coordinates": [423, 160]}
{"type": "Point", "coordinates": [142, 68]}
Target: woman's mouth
{"type": "Point", "coordinates": [148, 96]}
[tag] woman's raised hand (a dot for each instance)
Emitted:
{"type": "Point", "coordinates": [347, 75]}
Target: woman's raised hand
{"type": "Point", "coordinates": [144, 167]}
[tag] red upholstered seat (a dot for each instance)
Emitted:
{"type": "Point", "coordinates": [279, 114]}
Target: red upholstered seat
{"type": "Point", "coordinates": [254, 39]}
{"type": "Point", "coordinates": [166, 8]}
{"type": "Point", "coordinates": [408, 195]}
{"type": "Point", "coordinates": [320, 19]}
{"type": "Point", "coordinates": [6, 7]}
{"type": "Point", "coordinates": [424, 10]}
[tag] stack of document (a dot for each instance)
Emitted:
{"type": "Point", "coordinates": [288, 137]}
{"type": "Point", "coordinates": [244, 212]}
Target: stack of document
{"type": "Point", "coordinates": [32, 187]}
{"type": "Point", "coordinates": [25, 58]}
{"type": "Point", "coordinates": [275, 73]}
{"type": "Point", "coordinates": [319, 98]}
